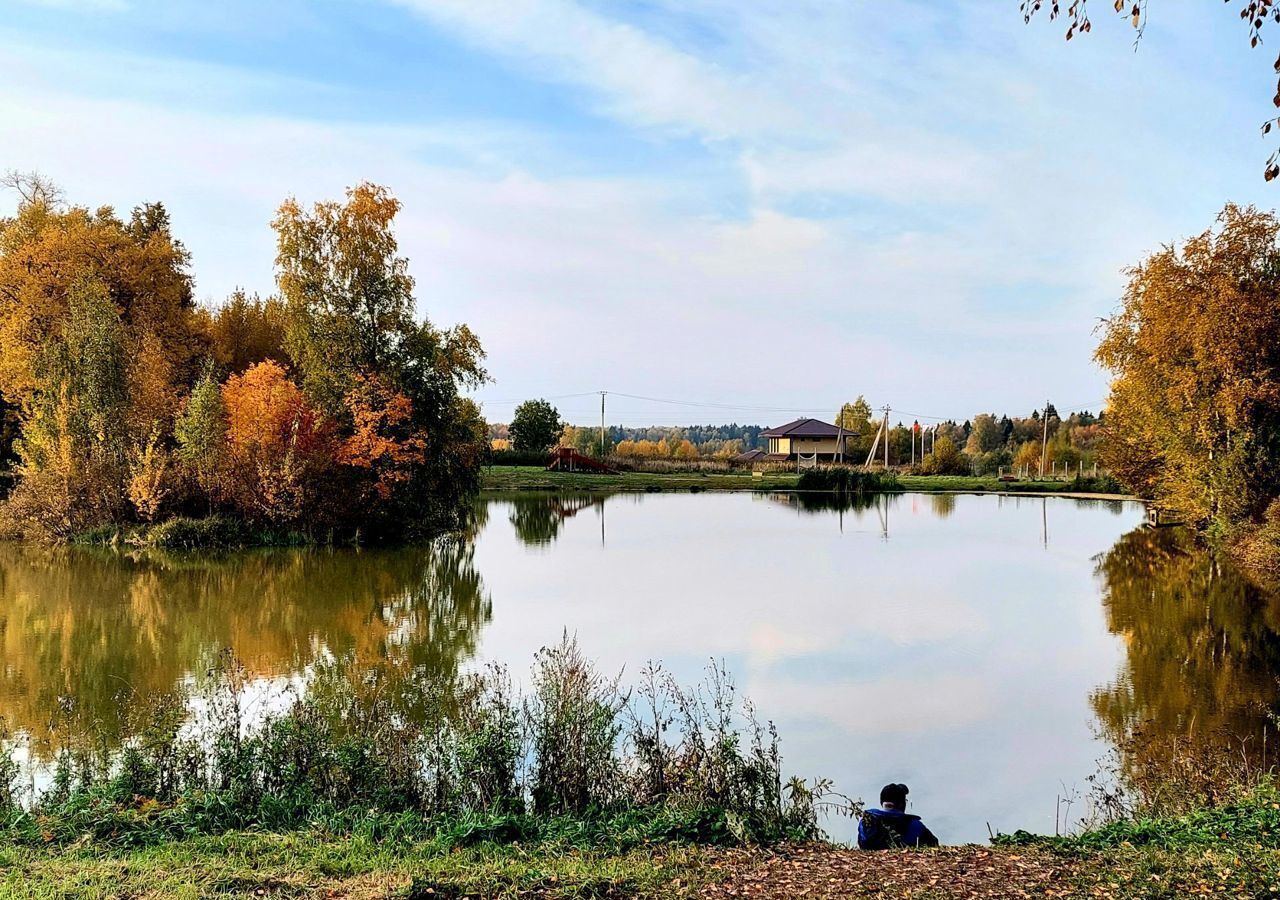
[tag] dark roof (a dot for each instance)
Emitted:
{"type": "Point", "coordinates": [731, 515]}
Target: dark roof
{"type": "Point", "coordinates": [814, 428]}
{"type": "Point", "coordinates": [749, 456]}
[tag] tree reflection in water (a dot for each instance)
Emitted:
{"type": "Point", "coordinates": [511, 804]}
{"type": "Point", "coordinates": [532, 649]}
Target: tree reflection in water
{"type": "Point", "coordinates": [84, 633]}
{"type": "Point", "coordinates": [538, 519]}
{"type": "Point", "coordinates": [1203, 654]}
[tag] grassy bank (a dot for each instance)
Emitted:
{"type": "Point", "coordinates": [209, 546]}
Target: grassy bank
{"type": "Point", "coordinates": [501, 479]}
{"type": "Point", "coordinates": [317, 864]}
{"type": "Point", "coordinates": [314, 864]}
{"type": "Point", "coordinates": [387, 771]}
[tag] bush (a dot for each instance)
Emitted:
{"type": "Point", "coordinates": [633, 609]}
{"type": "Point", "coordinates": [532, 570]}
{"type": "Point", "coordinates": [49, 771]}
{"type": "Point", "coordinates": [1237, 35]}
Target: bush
{"type": "Point", "coordinates": [214, 532]}
{"type": "Point", "coordinates": [945, 458]}
{"type": "Point", "coordinates": [1102, 484]}
{"type": "Point", "coordinates": [846, 480]}
{"type": "Point", "coordinates": [518, 458]}
{"type": "Point", "coordinates": [394, 752]}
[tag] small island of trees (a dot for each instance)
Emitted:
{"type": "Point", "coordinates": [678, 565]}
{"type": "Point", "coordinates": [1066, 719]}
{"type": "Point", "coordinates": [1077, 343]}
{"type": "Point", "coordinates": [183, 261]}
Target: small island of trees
{"type": "Point", "coordinates": [329, 411]}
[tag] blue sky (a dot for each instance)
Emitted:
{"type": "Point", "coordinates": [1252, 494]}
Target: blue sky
{"type": "Point", "coordinates": [772, 206]}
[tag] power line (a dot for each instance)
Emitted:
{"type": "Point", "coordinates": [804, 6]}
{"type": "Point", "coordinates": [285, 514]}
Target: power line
{"type": "Point", "coordinates": [746, 407]}
{"type": "Point", "coordinates": [713, 405]}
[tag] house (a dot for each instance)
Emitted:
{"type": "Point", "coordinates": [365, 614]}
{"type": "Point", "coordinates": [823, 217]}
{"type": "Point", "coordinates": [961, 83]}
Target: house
{"type": "Point", "coordinates": [805, 437]}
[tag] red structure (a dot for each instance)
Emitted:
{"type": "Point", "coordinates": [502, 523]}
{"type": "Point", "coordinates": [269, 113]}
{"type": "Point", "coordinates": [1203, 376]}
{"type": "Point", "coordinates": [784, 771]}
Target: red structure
{"type": "Point", "coordinates": [567, 459]}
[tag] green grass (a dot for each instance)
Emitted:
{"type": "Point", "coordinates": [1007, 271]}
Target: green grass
{"type": "Point", "coordinates": [531, 478]}
{"type": "Point", "coordinates": [504, 479]}
{"type": "Point", "coordinates": [316, 864]}
{"type": "Point", "coordinates": [1228, 850]}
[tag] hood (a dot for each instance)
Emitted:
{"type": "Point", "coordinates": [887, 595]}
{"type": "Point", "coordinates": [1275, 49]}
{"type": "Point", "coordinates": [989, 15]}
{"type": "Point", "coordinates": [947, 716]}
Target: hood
{"type": "Point", "coordinates": [892, 814]}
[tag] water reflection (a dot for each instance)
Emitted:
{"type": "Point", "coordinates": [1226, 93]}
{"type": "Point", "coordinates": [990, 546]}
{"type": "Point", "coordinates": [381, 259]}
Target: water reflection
{"type": "Point", "coordinates": [538, 519]}
{"type": "Point", "coordinates": [1202, 646]}
{"type": "Point", "coordinates": [86, 631]}
{"type": "Point", "coordinates": [970, 656]}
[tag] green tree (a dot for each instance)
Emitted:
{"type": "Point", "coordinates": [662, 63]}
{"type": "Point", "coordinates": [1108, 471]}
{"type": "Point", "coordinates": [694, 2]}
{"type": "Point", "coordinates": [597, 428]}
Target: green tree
{"type": "Point", "coordinates": [985, 435]}
{"type": "Point", "coordinates": [350, 308]}
{"type": "Point", "coordinates": [74, 458]}
{"type": "Point", "coordinates": [349, 294]}
{"type": "Point", "coordinates": [945, 458]}
{"type": "Point", "coordinates": [536, 426]}
{"type": "Point", "coordinates": [855, 418]}
{"type": "Point", "coordinates": [201, 433]}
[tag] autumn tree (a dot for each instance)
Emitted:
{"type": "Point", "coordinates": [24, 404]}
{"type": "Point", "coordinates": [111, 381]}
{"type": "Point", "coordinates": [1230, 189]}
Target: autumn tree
{"type": "Point", "coordinates": [279, 448]}
{"type": "Point", "coordinates": [535, 426]}
{"type": "Point", "coordinates": [74, 447]}
{"type": "Point", "coordinates": [1194, 415]}
{"type": "Point", "coordinates": [351, 316]}
{"type": "Point", "coordinates": [384, 444]}
{"type": "Point", "coordinates": [110, 417]}
{"type": "Point", "coordinates": [1028, 457]}
{"type": "Point", "coordinates": [247, 330]}
{"type": "Point", "coordinates": [48, 248]}
{"type": "Point", "coordinates": [685, 450]}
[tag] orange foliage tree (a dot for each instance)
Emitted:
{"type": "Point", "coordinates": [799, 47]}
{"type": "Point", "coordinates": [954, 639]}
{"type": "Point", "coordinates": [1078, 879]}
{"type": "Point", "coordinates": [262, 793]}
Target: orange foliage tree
{"type": "Point", "coordinates": [384, 444]}
{"type": "Point", "coordinates": [279, 448]}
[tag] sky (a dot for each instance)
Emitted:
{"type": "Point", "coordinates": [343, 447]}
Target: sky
{"type": "Point", "coordinates": [743, 212]}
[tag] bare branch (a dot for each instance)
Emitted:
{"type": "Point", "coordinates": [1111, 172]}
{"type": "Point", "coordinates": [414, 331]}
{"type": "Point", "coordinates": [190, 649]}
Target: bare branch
{"type": "Point", "coordinates": [32, 187]}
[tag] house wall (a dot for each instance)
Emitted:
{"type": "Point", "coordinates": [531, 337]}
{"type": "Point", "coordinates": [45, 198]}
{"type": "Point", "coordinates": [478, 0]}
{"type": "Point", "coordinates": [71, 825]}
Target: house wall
{"type": "Point", "coordinates": [814, 445]}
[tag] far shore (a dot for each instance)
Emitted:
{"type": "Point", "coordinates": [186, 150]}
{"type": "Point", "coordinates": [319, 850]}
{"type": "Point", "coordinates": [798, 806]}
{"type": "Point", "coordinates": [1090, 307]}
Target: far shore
{"type": "Point", "coordinates": [515, 479]}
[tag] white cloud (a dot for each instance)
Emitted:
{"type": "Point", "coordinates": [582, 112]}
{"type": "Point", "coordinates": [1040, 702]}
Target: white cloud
{"type": "Point", "coordinates": [642, 80]}
{"type": "Point", "coordinates": [903, 200]}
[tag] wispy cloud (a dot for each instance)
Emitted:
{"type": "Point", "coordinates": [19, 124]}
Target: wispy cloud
{"type": "Point", "coordinates": [905, 195]}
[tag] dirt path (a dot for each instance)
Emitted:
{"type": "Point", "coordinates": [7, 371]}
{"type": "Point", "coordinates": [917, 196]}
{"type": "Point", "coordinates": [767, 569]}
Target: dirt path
{"type": "Point", "coordinates": [960, 872]}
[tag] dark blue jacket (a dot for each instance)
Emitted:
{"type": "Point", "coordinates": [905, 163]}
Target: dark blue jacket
{"type": "Point", "coordinates": [888, 829]}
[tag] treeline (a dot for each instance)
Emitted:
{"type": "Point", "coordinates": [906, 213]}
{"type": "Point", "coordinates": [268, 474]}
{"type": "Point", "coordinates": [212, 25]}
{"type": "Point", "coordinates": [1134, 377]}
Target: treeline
{"type": "Point", "coordinates": [327, 408]}
{"type": "Point", "coordinates": [654, 441]}
{"type": "Point", "coordinates": [984, 445]}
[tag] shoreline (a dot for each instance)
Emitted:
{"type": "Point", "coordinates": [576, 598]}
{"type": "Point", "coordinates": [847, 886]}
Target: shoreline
{"type": "Point", "coordinates": [497, 480]}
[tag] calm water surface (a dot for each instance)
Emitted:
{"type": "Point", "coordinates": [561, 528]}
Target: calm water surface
{"type": "Point", "coordinates": [988, 651]}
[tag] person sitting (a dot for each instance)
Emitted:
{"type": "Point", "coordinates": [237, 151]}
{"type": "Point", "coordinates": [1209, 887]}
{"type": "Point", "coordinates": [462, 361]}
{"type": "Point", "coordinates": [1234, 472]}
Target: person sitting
{"type": "Point", "coordinates": [891, 827]}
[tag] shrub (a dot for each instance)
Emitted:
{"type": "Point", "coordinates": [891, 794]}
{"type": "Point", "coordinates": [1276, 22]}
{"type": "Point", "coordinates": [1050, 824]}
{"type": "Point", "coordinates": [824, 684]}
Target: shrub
{"type": "Point", "coordinates": [181, 533]}
{"type": "Point", "coordinates": [573, 720]}
{"type": "Point", "coordinates": [846, 480]}
{"type": "Point", "coordinates": [518, 458]}
{"type": "Point", "coordinates": [945, 458]}
{"type": "Point", "coordinates": [393, 752]}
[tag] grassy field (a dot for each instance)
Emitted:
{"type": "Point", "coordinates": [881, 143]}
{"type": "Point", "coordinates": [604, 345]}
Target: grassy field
{"type": "Point", "coordinates": [319, 865]}
{"type": "Point", "coordinates": [313, 864]}
{"type": "Point", "coordinates": [500, 479]}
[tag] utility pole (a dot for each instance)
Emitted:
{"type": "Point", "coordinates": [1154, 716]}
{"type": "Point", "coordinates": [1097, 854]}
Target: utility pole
{"type": "Point", "coordinates": [1044, 443]}
{"type": "Point", "coordinates": [839, 455]}
{"type": "Point", "coordinates": [886, 438]}
{"type": "Point", "coordinates": [602, 393]}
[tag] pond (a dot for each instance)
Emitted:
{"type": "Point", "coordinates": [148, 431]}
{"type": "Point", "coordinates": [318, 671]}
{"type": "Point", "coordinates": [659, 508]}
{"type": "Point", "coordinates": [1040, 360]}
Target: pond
{"type": "Point", "coordinates": [989, 651]}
